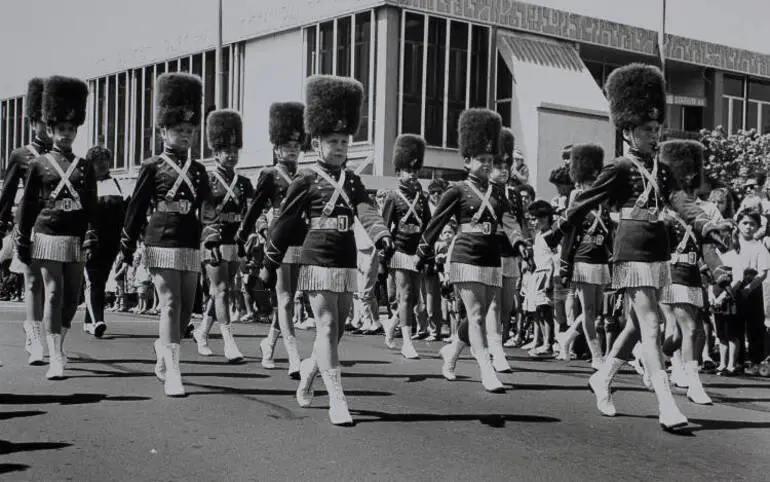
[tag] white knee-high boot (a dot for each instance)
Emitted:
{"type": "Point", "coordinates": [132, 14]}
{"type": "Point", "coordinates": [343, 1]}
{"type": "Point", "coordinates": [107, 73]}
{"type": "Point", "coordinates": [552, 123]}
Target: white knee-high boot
{"type": "Point", "coordinates": [201, 336]}
{"type": "Point", "coordinates": [232, 353]}
{"type": "Point", "coordinates": [308, 370]}
{"type": "Point", "coordinates": [55, 358]}
{"type": "Point", "coordinates": [450, 353]}
{"type": "Point", "coordinates": [600, 385]}
{"type": "Point", "coordinates": [338, 404]}
{"type": "Point", "coordinates": [695, 391]}
{"type": "Point", "coordinates": [670, 416]}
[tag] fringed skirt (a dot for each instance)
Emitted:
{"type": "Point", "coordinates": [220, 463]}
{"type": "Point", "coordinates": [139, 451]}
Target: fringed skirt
{"type": "Point", "coordinates": [469, 273]}
{"type": "Point", "coordinates": [401, 260]}
{"type": "Point", "coordinates": [638, 274]}
{"type": "Point", "coordinates": [591, 274]}
{"type": "Point", "coordinates": [675, 294]}
{"type": "Point", "coordinates": [180, 259]}
{"type": "Point", "coordinates": [63, 249]}
{"type": "Point", "coordinates": [322, 278]}
{"type": "Point", "coordinates": [229, 253]}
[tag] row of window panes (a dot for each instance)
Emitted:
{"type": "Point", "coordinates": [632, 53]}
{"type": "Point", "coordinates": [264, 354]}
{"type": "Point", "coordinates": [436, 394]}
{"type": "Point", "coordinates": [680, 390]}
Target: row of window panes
{"type": "Point", "coordinates": [745, 105]}
{"type": "Point", "coordinates": [444, 70]}
{"type": "Point", "coordinates": [14, 128]}
{"type": "Point", "coordinates": [345, 46]}
{"type": "Point", "coordinates": [123, 109]}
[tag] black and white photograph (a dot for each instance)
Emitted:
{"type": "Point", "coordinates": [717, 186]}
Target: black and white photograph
{"type": "Point", "coordinates": [384, 240]}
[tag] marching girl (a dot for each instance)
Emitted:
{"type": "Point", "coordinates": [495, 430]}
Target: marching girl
{"type": "Point", "coordinates": [59, 204]}
{"type": "Point", "coordinates": [17, 171]}
{"type": "Point", "coordinates": [586, 254]}
{"type": "Point", "coordinates": [474, 267]}
{"type": "Point", "coordinates": [176, 186]}
{"type": "Point", "coordinates": [406, 213]}
{"type": "Point", "coordinates": [223, 211]}
{"type": "Point", "coordinates": [287, 135]}
{"type": "Point", "coordinates": [332, 196]}
{"type": "Point", "coordinates": [111, 209]}
{"type": "Point", "coordinates": [641, 186]}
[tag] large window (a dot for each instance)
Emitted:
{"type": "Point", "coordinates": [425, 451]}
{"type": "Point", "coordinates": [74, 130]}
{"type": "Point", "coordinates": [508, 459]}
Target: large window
{"type": "Point", "coordinates": [346, 47]}
{"type": "Point", "coordinates": [733, 104]}
{"type": "Point", "coordinates": [14, 128]}
{"type": "Point", "coordinates": [123, 105]}
{"type": "Point", "coordinates": [444, 70]}
{"type": "Point", "coordinates": [745, 105]}
{"type": "Point", "coordinates": [504, 91]}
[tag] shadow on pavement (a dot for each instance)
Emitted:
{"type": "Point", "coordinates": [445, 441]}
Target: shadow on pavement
{"type": "Point", "coordinates": [7, 447]}
{"type": "Point", "coordinates": [492, 420]}
{"type": "Point", "coordinates": [28, 413]}
{"type": "Point", "coordinates": [352, 363]}
{"type": "Point", "coordinates": [74, 399]}
{"type": "Point", "coordinates": [8, 468]}
{"type": "Point", "coordinates": [134, 374]}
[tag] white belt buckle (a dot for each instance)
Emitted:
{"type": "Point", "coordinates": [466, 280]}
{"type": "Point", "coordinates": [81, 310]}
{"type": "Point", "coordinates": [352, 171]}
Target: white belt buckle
{"type": "Point", "coordinates": [184, 206]}
{"type": "Point", "coordinates": [486, 228]}
{"type": "Point", "coordinates": [66, 205]}
{"type": "Point", "coordinates": [691, 258]}
{"type": "Point", "coordinates": [599, 239]}
{"type": "Point", "coordinates": [342, 224]}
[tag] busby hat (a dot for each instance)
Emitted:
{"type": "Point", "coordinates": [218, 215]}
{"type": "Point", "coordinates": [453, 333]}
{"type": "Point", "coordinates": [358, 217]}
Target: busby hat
{"type": "Point", "coordinates": [438, 185]}
{"type": "Point", "coordinates": [685, 159]}
{"type": "Point", "coordinates": [287, 122]}
{"type": "Point", "coordinates": [333, 105]}
{"type": "Point", "coordinates": [507, 142]}
{"type": "Point", "coordinates": [179, 99]}
{"type": "Point", "coordinates": [479, 132]}
{"type": "Point", "coordinates": [560, 176]}
{"type": "Point", "coordinates": [98, 153]}
{"type": "Point", "coordinates": [34, 101]}
{"type": "Point", "coordinates": [585, 161]}
{"type": "Point", "coordinates": [64, 100]}
{"type": "Point", "coordinates": [224, 130]}
{"type": "Point", "coordinates": [637, 94]}
{"type": "Point", "coordinates": [408, 152]}
{"type": "Point", "coordinates": [541, 209]}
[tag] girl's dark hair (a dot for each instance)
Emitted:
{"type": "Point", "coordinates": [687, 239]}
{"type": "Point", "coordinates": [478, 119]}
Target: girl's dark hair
{"type": "Point", "coordinates": [755, 215]}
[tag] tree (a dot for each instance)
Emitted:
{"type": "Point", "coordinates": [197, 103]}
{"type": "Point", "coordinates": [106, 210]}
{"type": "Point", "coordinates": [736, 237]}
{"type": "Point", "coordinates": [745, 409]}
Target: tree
{"type": "Point", "coordinates": [731, 159]}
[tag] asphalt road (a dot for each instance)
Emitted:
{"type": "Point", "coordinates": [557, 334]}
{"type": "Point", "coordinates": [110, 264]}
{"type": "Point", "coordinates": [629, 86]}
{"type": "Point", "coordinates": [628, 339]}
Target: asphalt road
{"type": "Point", "coordinates": [110, 421]}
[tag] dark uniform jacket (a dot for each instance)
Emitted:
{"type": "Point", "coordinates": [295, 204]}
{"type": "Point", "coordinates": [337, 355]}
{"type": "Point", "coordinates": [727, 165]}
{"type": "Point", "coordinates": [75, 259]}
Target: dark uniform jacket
{"type": "Point", "coordinates": [478, 249]}
{"type": "Point", "coordinates": [17, 171]}
{"type": "Point", "coordinates": [226, 217]}
{"type": "Point", "coordinates": [270, 193]}
{"type": "Point", "coordinates": [621, 183]}
{"type": "Point", "coordinates": [110, 213]}
{"type": "Point", "coordinates": [308, 195]}
{"type": "Point", "coordinates": [507, 250]}
{"type": "Point", "coordinates": [167, 229]}
{"type": "Point", "coordinates": [406, 227]}
{"type": "Point", "coordinates": [38, 210]}
{"type": "Point", "coordinates": [686, 254]}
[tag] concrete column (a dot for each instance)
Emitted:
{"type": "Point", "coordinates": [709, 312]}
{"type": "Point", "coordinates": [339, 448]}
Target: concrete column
{"type": "Point", "coordinates": [714, 111]}
{"type": "Point", "coordinates": [386, 89]}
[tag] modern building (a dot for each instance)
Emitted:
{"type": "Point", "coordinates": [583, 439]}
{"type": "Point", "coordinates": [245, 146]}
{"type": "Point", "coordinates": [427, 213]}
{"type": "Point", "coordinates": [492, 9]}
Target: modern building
{"type": "Point", "coordinates": [541, 65]}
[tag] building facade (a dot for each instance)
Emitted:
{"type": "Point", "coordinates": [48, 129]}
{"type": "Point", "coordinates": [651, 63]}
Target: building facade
{"type": "Point", "coordinates": [541, 65]}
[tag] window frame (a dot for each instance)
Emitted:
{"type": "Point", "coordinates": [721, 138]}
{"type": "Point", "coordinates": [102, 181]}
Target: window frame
{"type": "Point", "coordinates": [314, 62]}
{"type": "Point", "coordinates": [449, 22]}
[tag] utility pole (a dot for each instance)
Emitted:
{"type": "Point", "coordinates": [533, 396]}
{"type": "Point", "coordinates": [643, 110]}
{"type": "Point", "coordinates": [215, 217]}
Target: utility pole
{"type": "Point", "coordinates": [662, 38]}
{"type": "Point", "coordinates": [220, 72]}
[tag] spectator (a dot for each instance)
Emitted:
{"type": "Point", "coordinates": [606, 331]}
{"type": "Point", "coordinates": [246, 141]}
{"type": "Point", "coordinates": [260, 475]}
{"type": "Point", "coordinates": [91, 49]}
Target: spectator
{"type": "Point", "coordinates": [519, 171]}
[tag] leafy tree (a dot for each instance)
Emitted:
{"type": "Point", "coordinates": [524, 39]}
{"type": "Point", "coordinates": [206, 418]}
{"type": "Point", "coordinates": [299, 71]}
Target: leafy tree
{"type": "Point", "coordinates": [731, 159]}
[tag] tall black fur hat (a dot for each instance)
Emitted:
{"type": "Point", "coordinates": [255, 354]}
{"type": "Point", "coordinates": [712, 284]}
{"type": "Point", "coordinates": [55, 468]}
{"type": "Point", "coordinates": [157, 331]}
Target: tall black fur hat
{"type": "Point", "coordinates": [98, 153]}
{"type": "Point", "coordinates": [507, 142]}
{"type": "Point", "coordinates": [34, 101]}
{"type": "Point", "coordinates": [560, 176]}
{"type": "Point", "coordinates": [541, 208]}
{"type": "Point", "coordinates": [408, 152]}
{"type": "Point", "coordinates": [585, 161]}
{"type": "Point", "coordinates": [685, 159]}
{"type": "Point", "coordinates": [333, 105]}
{"type": "Point", "coordinates": [224, 130]}
{"type": "Point", "coordinates": [64, 100]}
{"type": "Point", "coordinates": [479, 132]}
{"type": "Point", "coordinates": [179, 99]}
{"type": "Point", "coordinates": [287, 123]}
{"type": "Point", "coordinates": [637, 94]}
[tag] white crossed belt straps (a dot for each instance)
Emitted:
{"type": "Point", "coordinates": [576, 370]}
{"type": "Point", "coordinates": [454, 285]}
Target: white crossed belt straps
{"type": "Point", "coordinates": [230, 188]}
{"type": "Point", "coordinates": [650, 184]}
{"type": "Point", "coordinates": [411, 205]}
{"type": "Point", "coordinates": [688, 235]}
{"type": "Point", "coordinates": [597, 222]}
{"type": "Point", "coordinates": [181, 177]}
{"type": "Point", "coordinates": [64, 177]}
{"type": "Point", "coordinates": [485, 206]}
{"type": "Point", "coordinates": [284, 175]}
{"type": "Point", "coordinates": [338, 191]}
